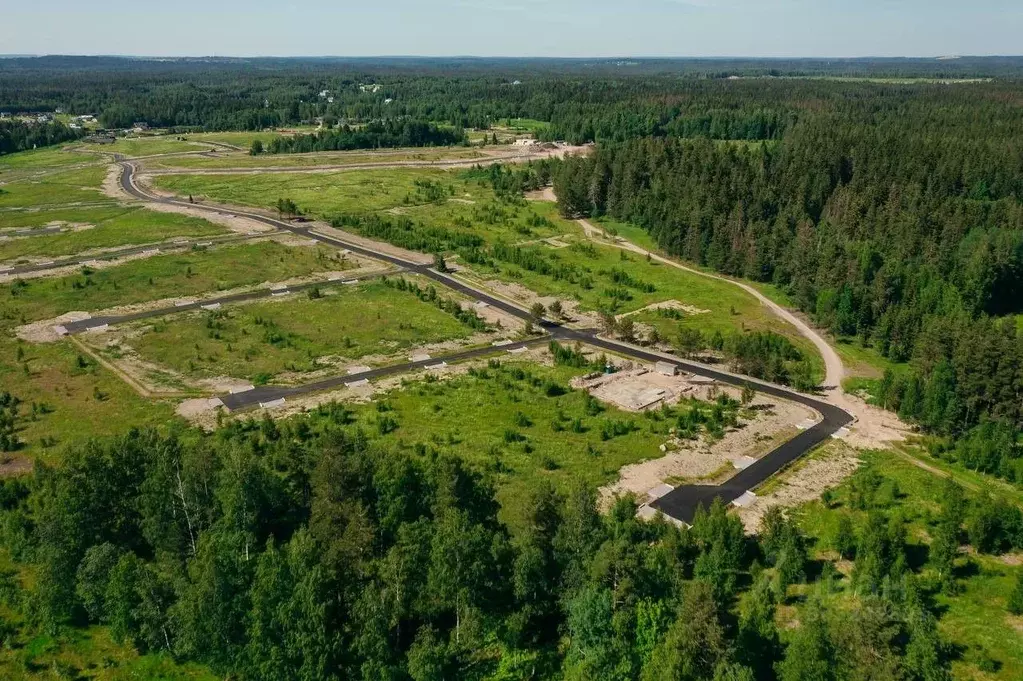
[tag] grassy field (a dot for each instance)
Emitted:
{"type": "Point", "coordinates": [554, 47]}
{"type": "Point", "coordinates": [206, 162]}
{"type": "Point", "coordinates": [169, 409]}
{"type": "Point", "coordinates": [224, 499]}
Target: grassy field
{"type": "Point", "coordinates": [318, 159]}
{"type": "Point", "coordinates": [974, 620]}
{"type": "Point", "coordinates": [60, 188]}
{"type": "Point", "coordinates": [628, 231]}
{"type": "Point", "coordinates": [523, 124]}
{"type": "Point", "coordinates": [318, 194]}
{"type": "Point", "coordinates": [177, 274]}
{"type": "Point", "coordinates": [522, 430]}
{"type": "Point", "coordinates": [260, 341]}
{"type": "Point", "coordinates": [45, 158]}
{"type": "Point", "coordinates": [73, 399]}
{"type": "Point", "coordinates": [109, 227]}
{"type": "Point", "coordinates": [148, 146]}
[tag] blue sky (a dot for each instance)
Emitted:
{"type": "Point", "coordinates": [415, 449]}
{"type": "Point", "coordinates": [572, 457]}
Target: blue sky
{"type": "Point", "coordinates": [570, 28]}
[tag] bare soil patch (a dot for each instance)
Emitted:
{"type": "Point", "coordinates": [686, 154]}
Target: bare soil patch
{"type": "Point", "coordinates": [701, 460]}
{"type": "Point", "coordinates": [804, 483]}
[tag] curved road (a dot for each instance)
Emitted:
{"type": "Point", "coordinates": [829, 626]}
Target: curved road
{"type": "Point", "coordinates": [682, 502]}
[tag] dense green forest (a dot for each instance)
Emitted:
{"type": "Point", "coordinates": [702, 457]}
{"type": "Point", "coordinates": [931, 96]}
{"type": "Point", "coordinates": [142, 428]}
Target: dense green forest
{"type": "Point", "coordinates": [582, 100]}
{"type": "Point", "coordinates": [301, 549]}
{"type": "Point", "coordinates": [896, 220]}
{"type": "Point", "coordinates": [19, 136]}
{"type": "Point", "coordinates": [390, 133]}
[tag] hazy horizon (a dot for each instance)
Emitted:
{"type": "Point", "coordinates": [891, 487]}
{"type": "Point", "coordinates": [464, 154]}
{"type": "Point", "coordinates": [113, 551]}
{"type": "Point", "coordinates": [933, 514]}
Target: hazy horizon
{"type": "Point", "coordinates": [753, 29]}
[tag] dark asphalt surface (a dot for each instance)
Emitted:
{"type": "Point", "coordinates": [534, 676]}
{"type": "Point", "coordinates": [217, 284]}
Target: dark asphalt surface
{"type": "Point", "coordinates": [681, 503]}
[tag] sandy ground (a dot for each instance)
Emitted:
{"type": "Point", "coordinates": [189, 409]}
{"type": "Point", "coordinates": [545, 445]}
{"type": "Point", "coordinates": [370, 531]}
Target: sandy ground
{"type": "Point", "coordinates": [666, 305]}
{"type": "Point", "coordinates": [43, 331]}
{"type": "Point", "coordinates": [693, 460]}
{"type": "Point", "coordinates": [524, 298]}
{"type": "Point", "coordinates": [806, 483]}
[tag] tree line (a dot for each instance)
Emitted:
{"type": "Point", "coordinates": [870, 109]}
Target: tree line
{"type": "Point", "coordinates": [16, 135]}
{"type": "Point", "coordinates": [899, 229]}
{"type": "Point", "coordinates": [374, 135]}
{"type": "Point", "coordinates": [302, 549]}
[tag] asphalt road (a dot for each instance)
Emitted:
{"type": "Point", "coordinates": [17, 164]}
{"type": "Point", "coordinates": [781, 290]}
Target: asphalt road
{"type": "Point", "coordinates": [681, 503]}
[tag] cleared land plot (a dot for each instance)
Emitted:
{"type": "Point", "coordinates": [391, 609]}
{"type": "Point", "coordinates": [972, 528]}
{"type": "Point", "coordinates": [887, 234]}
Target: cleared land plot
{"type": "Point", "coordinates": [95, 228]}
{"type": "Point", "coordinates": [148, 146]}
{"type": "Point", "coordinates": [59, 188]}
{"type": "Point", "coordinates": [39, 159]}
{"type": "Point", "coordinates": [321, 194]}
{"type": "Point", "coordinates": [67, 397]}
{"type": "Point", "coordinates": [447, 208]}
{"type": "Point", "coordinates": [261, 341]}
{"type": "Point", "coordinates": [172, 275]}
{"type": "Point", "coordinates": [526, 425]}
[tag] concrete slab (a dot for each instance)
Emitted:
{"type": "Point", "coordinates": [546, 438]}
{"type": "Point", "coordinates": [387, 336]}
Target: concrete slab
{"type": "Point", "coordinates": [840, 433]}
{"type": "Point", "coordinates": [659, 491]}
{"type": "Point", "coordinates": [746, 499]}
{"type": "Point", "coordinates": [743, 462]}
{"type": "Point", "coordinates": [358, 370]}
{"type": "Point", "coordinates": [98, 328]}
{"type": "Point", "coordinates": [272, 404]}
{"type": "Point", "coordinates": [241, 389]}
{"type": "Point", "coordinates": [501, 343]}
{"type": "Point", "coordinates": [355, 384]}
{"type": "Point", "coordinates": [183, 303]}
{"type": "Point", "coordinates": [60, 330]}
{"type": "Point", "coordinates": [211, 306]}
{"type": "Point", "coordinates": [437, 367]}
{"type": "Point", "coordinates": [419, 357]}
{"type": "Point", "coordinates": [517, 351]}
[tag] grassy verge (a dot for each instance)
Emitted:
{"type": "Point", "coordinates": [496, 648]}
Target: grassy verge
{"type": "Point", "coordinates": [316, 159]}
